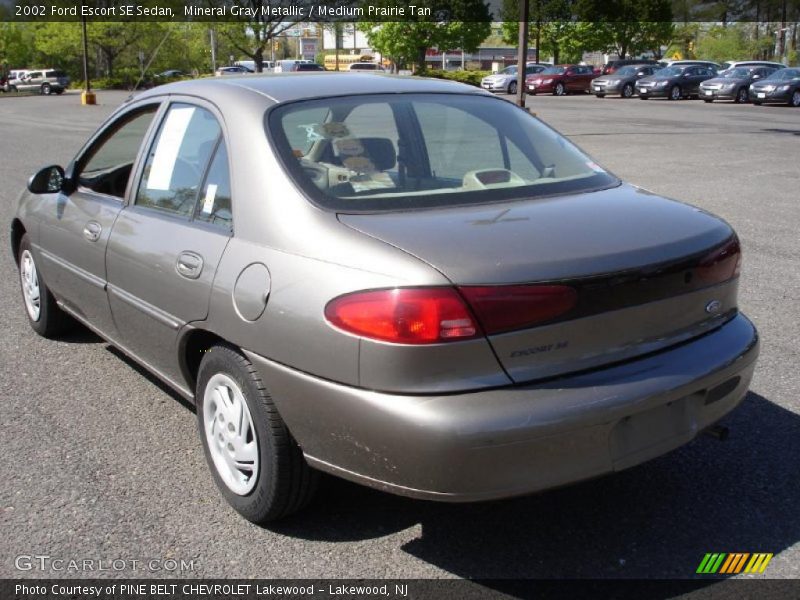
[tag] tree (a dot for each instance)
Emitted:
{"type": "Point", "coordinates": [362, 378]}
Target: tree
{"type": "Point", "coordinates": [628, 27]}
{"type": "Point", "coordinates": [464, 25]}
{"type": "Point", "coordinates": [552, 29]}
{"type": "Point", "coordinates": [252, 35]}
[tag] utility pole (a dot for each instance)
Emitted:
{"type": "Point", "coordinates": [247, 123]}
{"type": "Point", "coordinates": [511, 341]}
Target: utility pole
{"type": "Point", "coordinates": [213, 38]}
{"type": "Point", "coordinates": [522, 51]}
{"type": "Point", "coordinates": [87, 96]}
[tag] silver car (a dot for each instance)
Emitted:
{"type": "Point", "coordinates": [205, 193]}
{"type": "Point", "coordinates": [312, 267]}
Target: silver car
{"type": "Point", "coordinates": [45, 81]}
{"type": "Point", "coordinates": [404, 282]}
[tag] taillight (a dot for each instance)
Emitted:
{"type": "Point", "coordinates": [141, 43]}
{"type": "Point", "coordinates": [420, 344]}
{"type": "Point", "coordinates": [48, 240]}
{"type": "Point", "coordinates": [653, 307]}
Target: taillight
{"type": "Point", "coordinates": [404, 315]}
{"type": "Point", "coordinates": [721, 264]}
{"type": "Point", "coordinates": [509, 307]}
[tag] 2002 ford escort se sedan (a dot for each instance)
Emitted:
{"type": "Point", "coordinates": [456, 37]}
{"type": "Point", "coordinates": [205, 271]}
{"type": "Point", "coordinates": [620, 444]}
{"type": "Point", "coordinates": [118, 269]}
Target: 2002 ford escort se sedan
{"type": "Point", "coordinates": [407, 283]}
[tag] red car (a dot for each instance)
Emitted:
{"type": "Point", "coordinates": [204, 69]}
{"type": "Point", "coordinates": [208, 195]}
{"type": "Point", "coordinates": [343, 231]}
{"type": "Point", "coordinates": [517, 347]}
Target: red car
{"type": "Point", "coordinates": [561, 80]}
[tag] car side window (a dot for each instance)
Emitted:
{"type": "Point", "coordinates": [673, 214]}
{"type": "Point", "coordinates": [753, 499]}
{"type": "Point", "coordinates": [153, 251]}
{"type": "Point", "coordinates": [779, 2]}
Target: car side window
{"type": "Point", "coordinates": [107, 165]}
{"type": "Point", "coordinates": [178, 158]}
{"type": "Point", "coordinates": [215, 198]}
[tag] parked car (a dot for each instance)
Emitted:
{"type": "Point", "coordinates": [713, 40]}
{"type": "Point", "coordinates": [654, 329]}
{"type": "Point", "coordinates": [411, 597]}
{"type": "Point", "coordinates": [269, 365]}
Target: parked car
{"type": "Point", "coordinates": [613, 66]}
{"type": "Point", "coordinates": [365, 66]}
{"type": "Point", "coordinates": [622, 81]}
{"type": "Point", "coordinates": [674, 83]}
{"type": "Point", "coordinates": [690, 62]}
{"type": "Point", "coordinates": [306, 66]}
{"type": "Point", "coordinates": [733, 84]}
{"type": "Point", "coordinates": [506, 80]}
{"type": "Point", "coordinates": [287, 65]}
{"type": "Point", "coordinates": [561, 80]}
{"type": "Point", "coordinates": [339, 309]}
{"type": "Point", "coordinates": [232, 70]}
{"type": "Point", "coordinates": [14, 78]}
{"type": "Point", "coordinates": [732, 64]}
{"type": "Point", "coordinates": [45, 81]}
{"type": "Point", "coordinates": [170, 73]}
{"type": "Point", "coordinates": [783, 86]}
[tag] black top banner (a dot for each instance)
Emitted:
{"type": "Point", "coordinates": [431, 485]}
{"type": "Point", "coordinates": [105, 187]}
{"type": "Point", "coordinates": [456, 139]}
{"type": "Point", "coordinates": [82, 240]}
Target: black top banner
{"type": "Point", "coordinates": [435, 11]}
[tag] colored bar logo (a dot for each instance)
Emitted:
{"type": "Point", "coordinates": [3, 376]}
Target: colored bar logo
{"type": "Point", "coordinates": [733, 563]}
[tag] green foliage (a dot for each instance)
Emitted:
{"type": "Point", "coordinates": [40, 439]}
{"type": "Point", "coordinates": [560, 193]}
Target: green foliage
{"type": "Point", "coordinates": [552, 24]}
{"type": "Point", "coordinates": [405, 42]}
{"type": "Point", "coordinates": [468, 77]}
{"type": "Point", "coordinates": [627, 27]}
{"type": "Point", "coordinates": [725, 43]}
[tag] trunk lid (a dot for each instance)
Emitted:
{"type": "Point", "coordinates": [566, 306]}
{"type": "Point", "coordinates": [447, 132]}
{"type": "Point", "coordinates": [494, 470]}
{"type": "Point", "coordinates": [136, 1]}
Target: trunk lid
{"type": "Point", "coordinates": [632, 256]}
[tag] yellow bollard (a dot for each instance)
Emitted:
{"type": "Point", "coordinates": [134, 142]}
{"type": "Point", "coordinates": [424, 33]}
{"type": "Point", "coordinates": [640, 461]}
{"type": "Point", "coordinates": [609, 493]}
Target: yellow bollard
{"type": "Point", "coordinates": [88, 98]}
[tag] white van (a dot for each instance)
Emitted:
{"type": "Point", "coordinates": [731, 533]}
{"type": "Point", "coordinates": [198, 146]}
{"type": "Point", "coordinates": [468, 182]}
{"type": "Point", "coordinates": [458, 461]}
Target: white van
{"type": "Point", "coordinates": [285, 66]}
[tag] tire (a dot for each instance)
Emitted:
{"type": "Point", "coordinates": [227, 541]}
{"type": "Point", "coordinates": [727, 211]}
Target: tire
{"type": "Point", "coordinates": [742, 96]}
{"type": "Point", "coordinates": [44, 315]}
{"type": "Point", "coordinates": [46, 89]}
{"type": "Point", "coordinates": [675, 93]}
{"type": "Point", "coordinates": [512, 88]}
{"type": "Point", "coordinates": [12, 88]}
{"type": "Point", "coordinates": [756, 103]}
{"type": "Point", "coordinates": [627, 91]}
{"type": "Point", "coordinates": [560, 90]}
{"type": "Point", "coordinates": [708, 100]}
{"type": "Point", "coordinates": [600, 95]}
{"type": "Point", "coordinates": [59, 91]}
{"type": "Point", "coordinates": [795, 99]}
{"type": "Point", "coordinates": [643, 98]}
{"type": "Point", "coordinates": [280, 481]}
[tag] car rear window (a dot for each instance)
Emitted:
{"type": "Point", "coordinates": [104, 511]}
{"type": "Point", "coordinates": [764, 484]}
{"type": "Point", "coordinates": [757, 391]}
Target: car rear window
{"type": "Point", "coordinates": [55, 74]}
{"type": "Point", "coordinates": [407, 151]}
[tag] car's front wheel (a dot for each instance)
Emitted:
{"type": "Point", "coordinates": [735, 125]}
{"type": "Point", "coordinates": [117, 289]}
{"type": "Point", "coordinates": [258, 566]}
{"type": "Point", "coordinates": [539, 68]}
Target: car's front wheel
{"type": "Point", "coordinates": [46, 89]}
{"type": "Point", "coordinates": [675, 93]}
{"type": "Point", "coordinates": [44, 314]}
{"type": "Point", "coordinates": [512, 88]}
{"type": "Point", "coordinates": [600, 95]}
{"type": "Point", "coordinates": [560, 90]}
{"type": "Point", "coordinates": [627, 91]}
{"type": "Point", "coordinates": [795, 101]}
{"type": "Point", "coordinates": [254, 460]}
{"type": "Point", "coordinates": [742, 96]}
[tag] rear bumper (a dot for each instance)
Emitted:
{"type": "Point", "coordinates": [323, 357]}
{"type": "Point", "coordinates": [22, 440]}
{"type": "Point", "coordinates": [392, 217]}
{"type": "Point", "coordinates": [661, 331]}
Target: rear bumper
{"type": "Point", "coordinates": [518, 439]}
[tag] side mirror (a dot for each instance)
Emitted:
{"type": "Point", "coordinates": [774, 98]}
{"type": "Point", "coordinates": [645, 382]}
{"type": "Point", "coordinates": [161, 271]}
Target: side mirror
{"type": "Point", "coordinates": [47, 181]}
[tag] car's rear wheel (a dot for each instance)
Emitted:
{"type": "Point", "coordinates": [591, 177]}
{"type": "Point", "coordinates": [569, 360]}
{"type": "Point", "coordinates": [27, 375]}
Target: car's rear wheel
{"type": "Point", "coordinates": [560, 90]}
{"type": "Point", "coordinates": [627, 91]}
{"type": "Point", "coordinates": [512, 87]}
{"type": "Point", "coordinates": [46, 89]}
{"type": "Point", "coordinates": [795, 101]}
{"type": "Point", "coordinates": [253, 458]}
{"type": "Point", "coordinates": [742, 96]}
{"type": "Point", "coordinates": [44, 315]}
{"type": "Point", "coordinates": [675, 93]}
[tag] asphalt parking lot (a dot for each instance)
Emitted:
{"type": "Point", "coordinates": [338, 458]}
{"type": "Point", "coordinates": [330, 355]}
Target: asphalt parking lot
{"type": "Point", "coordinates": [101, 461]}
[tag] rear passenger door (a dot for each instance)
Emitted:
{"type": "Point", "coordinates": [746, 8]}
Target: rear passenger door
{"type": "Point", "coordinates": [168, 239]}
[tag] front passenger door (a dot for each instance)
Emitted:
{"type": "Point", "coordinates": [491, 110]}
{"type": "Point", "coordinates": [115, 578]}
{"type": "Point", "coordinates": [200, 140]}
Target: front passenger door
{"type": "Point", "coordinates": [169, 238]}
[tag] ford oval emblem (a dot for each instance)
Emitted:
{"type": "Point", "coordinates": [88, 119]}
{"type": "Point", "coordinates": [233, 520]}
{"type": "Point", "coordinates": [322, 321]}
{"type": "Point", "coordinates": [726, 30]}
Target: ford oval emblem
{"type": "Point", "coordinates": [713, 307]}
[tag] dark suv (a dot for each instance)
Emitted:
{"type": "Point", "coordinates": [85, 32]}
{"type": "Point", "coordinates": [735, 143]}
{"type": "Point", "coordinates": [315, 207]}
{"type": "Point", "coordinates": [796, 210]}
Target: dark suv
{"type": "Point", "coordinates": [614, 65]}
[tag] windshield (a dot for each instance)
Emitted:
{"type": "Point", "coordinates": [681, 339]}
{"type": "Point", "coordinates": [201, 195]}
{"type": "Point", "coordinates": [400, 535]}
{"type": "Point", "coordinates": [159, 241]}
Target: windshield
{"type": "Point", "coordinates": [624, 71]}
{"type": "Point", "coordinates": [738, 73]}
{"type": "Point", "coordinates": [725, 65]}
{"type": "Point", "coordinates": [670, 71]}
{"type": "Point", "coordinates": [784, 74]}
{"type": "Point", "coordinates": [509, 70]}
{"type": "Point", "coordinates": [406, 151]}
{"type": "Point", "coordinates": [554, 71]}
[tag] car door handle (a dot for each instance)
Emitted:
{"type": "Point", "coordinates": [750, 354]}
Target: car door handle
{"type": "Point", "coordinates": [92, 231]}
{"type": "Point", "coordinates": [189, 265]}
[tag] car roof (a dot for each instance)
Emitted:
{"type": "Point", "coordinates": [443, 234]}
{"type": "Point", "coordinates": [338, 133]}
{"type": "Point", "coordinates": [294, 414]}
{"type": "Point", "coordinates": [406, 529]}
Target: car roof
{"type": "Point", "coordinates": [287, 87]}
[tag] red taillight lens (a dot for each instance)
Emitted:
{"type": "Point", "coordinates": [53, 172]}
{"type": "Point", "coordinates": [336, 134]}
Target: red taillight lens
{"type": "Point", "coordinates": [510, 307]}
{"type": "Point", "coordinates": [721, 264]}
{"type": "Point", "coordinates": [404, 315]}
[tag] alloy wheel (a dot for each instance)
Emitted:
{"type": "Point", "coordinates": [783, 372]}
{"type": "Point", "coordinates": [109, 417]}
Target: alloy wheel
{"type": "Point", "coordinates": [796, 98]}
{"type": "Point", "coordinates": [31, 293]}
{"type": "Point", "coordinates": [230, 434]}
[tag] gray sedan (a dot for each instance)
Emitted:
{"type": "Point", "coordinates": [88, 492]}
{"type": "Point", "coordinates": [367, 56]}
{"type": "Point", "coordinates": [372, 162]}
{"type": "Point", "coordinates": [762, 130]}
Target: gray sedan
{"type": "Point", "coordinates": [733, 84]}
{"type": "Point", "coordinates": [407, 283]}
{"type": "Point", "coordinates": [623, 81]}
